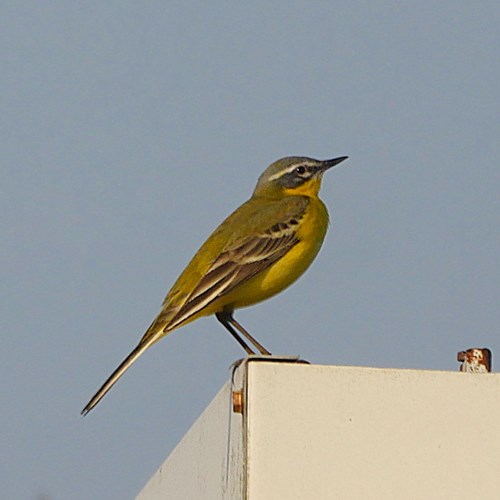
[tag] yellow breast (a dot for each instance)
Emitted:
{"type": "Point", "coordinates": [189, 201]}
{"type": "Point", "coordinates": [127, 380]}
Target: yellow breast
{"type": "Point", "coordinates": [311, 233]}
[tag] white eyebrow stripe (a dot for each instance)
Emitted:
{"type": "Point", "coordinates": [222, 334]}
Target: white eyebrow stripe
{"type": "Point", "coordinates": [283, 172]}
{"type": "Point", "coordinates": [288, 171]}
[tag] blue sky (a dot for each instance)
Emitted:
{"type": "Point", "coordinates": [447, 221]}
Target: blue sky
{"type": "Point", "coordinates": [130, 130]}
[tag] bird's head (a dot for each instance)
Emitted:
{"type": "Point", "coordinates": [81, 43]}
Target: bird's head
{"type": "Point", "coordinates": [294, 175]}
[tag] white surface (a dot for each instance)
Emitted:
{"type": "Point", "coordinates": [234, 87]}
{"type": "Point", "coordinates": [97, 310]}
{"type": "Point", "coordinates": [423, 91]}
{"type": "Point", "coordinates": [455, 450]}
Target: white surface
{"type": "Point", "coordinates": [324, 432]}
{"type": "Point", "coordinates": [197, 468]}
{"type": "Point", "coordinates": [327, 432]}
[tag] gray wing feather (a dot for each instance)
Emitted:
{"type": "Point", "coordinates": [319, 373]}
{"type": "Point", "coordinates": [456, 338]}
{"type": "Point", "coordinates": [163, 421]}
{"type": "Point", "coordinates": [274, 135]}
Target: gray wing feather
{"type": "Point", "coordinates": [237, 265]}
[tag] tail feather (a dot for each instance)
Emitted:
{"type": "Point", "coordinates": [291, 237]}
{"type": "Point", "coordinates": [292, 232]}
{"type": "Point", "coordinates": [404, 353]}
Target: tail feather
{"type": "Point", "coordinates": [113, 378]}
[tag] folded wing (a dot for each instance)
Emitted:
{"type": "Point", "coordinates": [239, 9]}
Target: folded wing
{"type": "Point", "coordinates": [238, 264]}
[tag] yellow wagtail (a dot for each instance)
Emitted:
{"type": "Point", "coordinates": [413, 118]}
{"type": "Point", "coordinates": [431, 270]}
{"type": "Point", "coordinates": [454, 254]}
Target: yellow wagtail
{"type": "Point", "coordinates": [258, 251]}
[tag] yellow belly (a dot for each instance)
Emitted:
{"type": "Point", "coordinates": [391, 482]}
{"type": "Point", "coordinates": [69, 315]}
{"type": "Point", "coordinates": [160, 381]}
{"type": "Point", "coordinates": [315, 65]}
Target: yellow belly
{"type": "Point", "coordinates": [286, 270]}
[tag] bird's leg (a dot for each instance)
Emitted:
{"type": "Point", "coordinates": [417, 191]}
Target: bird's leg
{"type": "Point", "coordinates": [223, 317]}
{"type": "Point", "coordinates": [230, 319]}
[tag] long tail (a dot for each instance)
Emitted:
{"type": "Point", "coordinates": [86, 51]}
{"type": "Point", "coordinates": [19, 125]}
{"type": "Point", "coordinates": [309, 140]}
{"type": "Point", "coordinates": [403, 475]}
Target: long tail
{"type": "Point", "coordinates": [113, 378]}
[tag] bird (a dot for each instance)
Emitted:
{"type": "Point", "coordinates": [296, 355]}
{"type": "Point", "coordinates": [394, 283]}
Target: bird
{"type": "Point", "coordinates": [256, 252]}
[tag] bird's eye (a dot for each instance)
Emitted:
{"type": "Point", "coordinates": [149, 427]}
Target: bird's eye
{"type": "Point", "coordinates": [300, 170]}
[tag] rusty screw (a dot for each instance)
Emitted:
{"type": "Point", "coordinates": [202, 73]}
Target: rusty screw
{"type": "Point", "coordinates": [475, 360]}
{"type": "Point", "coordinates": [238, 402]}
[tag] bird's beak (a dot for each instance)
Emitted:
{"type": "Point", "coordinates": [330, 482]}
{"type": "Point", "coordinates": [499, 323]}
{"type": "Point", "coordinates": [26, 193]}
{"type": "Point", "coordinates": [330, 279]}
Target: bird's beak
{"type": "Point", "coordinates": [325, 165]}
